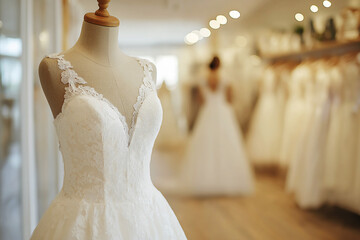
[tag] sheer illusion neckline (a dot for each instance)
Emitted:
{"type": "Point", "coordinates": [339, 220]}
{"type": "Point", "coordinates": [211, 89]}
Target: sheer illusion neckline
{"type": "Point", "coordinates": [76, 86]}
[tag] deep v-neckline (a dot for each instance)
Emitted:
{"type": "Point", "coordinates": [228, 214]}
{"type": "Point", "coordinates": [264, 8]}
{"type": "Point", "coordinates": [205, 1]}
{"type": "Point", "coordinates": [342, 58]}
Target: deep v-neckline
{"type": "Point", "coordinates": [76, 86]}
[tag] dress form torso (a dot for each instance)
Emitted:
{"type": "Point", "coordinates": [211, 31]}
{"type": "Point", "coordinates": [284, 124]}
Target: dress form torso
{"type": "Point", "coordinates": [97, 58]}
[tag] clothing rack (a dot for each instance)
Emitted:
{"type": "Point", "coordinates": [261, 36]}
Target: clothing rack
{"type": "Point", "coordinates": [327, 49]}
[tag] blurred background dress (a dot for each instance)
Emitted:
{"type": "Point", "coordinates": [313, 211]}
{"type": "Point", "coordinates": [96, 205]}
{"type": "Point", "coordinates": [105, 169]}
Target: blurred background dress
{"type": "Point", "coordinates": [215, 161]}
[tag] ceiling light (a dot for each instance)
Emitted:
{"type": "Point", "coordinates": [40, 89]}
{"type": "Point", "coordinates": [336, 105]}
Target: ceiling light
{"type": "Point", "coordinates": [186, 41]}
{"type": "Point", "coordinates": [221, 19]}
{"type": "Point", "coordinates": [191, 38]}
{"type": "Point", "coordinates": [327, 3]}
{"type": "Point", "coordinates": [205, 32]}
{"type": "Point", "coordinates": [299, 17]}
{"type": "Point", "coordinates": [234, 14]}
{"type": "Point", "coordinates": [314, 8]}
{"type": "Point", "coordinates": [197, 32]}
{"type": "Point", "coordinates": [214, 24]}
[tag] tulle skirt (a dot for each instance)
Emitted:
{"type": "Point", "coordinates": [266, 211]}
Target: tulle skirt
{"type": "Point", "coordinates": [215, 162]}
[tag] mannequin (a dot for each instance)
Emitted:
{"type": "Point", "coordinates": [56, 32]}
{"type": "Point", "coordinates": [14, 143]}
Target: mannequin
{"type": "Point", "coordinates": [107, 190]}
{"type": "Point", "coordinates": [97, 58]}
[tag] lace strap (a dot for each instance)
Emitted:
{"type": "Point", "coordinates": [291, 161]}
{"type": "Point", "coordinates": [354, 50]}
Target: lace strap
{"type": "Point", "coordinates": [146, 87]}
{"type": "Point", "coordinates": [68, 75]}
{"type": "Point", "coordinates": [147, 68]}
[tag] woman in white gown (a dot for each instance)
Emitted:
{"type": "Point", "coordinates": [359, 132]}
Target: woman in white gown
{"type": "Point", "coordinates": [215, 161]}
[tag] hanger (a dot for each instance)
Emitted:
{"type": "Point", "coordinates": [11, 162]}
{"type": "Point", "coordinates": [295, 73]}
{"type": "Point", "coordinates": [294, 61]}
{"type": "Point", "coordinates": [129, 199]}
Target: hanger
{"type": "Point", "coordinates": [101, 16]}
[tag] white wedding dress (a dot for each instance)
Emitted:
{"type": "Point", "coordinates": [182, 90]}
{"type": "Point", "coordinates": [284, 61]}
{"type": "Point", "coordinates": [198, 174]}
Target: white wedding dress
{"type": "Point", "coordinates": [263, 140]}
{"type": "Point", "coordinates": [107, 193]}
{"type": "Point", "coordinates": [293, 115]}
{"type": "Point", "coordinates": [306, 171]}
{"type": "Point", "coordinates": [215, 162]}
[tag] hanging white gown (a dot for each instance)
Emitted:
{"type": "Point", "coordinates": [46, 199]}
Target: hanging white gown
{"type": "Point", "coordinates": [333, 149]}
{"type": "Point", "coordinates": [215, 162]}
{"type": "Point", "coordinates": [349, 118]}
{"type": "Point", "coordinates": [301, 109]}
{"type": "Point", "coordinates": [284, 75]}
{"type": "Point", "coordinates": [345, 189]}
{"type": "Point", "coordinates": [292, 114]}
{"type": "Point", "coordinates": [107, 192]}
{"type": "Point", "coordinates": [264, 136]}
{"type": "Point", "coordinates": [308, 188]}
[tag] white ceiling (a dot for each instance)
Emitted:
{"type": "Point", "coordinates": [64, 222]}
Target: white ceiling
{"type": "Point", "coordinates": [166, 22]}
{"type": "Point", "coordinates": [200, 10]}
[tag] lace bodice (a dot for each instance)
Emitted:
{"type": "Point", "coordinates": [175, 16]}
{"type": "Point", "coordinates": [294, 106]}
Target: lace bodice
{"type": "Point", "coordinates": [107, 192]}
{"type": "Point", "coordinates": [217, 96]}
{"type": "Point", "coordinates": [104, 158]}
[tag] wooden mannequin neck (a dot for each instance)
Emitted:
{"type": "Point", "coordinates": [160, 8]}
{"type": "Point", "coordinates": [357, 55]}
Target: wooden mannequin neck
{"type": "Point", "coordinates": [99, 43]}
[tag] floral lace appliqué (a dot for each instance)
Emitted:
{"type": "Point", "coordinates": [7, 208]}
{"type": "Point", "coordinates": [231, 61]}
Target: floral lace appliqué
{"type": "Point", "coordinates": [147, 86]}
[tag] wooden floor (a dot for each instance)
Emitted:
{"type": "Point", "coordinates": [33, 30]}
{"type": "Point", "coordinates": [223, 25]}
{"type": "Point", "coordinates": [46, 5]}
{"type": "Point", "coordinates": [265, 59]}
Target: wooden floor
{"type": "Point", "coordinates": [270, 214]}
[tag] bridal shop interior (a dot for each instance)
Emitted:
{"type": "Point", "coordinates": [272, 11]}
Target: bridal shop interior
{"type": "Point", "coordinates": [260, 132]}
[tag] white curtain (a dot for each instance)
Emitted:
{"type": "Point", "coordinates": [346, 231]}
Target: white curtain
{"type": "Point", "coordinates": [47, 38]}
